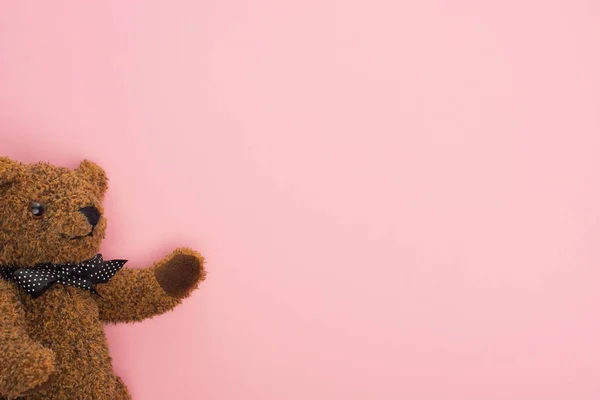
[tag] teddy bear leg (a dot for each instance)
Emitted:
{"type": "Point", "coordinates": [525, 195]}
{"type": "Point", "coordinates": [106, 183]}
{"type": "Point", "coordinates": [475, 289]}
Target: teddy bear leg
{"type": "Point", "coordinates": [121, 390]}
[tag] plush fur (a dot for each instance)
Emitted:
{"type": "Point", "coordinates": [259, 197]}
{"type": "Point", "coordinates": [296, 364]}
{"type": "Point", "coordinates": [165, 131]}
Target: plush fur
{"type": "Point", "coordinates": [53, 347]}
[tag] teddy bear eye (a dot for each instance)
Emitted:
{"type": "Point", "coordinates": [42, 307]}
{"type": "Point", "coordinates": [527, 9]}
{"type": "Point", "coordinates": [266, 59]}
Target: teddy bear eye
{"type": "Point", "coordinates": [38, 209]}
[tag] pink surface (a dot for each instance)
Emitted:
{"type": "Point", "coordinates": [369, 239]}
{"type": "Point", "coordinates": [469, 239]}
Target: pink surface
{"type": "Point", "coordinates": [398, 200]}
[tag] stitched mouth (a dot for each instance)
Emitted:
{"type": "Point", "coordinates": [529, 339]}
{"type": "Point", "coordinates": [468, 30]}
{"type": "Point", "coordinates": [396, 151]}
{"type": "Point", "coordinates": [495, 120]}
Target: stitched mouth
{"type": "Point", "coordinates": [81, 237]}
{"type": "Point", "coordinates": [84, 236]}
{"type": "Point", "coordinates": [91, 232]}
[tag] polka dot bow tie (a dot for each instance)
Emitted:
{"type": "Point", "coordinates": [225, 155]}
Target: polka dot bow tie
{"type": "Point", "coordinates": [36, 280]}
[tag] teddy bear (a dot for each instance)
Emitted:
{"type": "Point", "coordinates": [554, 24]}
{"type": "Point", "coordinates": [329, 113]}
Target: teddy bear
{"type": "Point", "coordinates": [57, 292]}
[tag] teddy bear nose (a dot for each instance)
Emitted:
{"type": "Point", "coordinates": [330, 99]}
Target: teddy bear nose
{"type": "Point", "coordinates": [92, 214]}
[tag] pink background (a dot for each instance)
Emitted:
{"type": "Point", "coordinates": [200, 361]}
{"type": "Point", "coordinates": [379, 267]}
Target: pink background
{"type": "Point", "coordinates": [397, 199]}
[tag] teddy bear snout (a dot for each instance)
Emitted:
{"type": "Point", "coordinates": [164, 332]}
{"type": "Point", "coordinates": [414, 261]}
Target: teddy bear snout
{"type": "Point", "coordinates": [92, 214]}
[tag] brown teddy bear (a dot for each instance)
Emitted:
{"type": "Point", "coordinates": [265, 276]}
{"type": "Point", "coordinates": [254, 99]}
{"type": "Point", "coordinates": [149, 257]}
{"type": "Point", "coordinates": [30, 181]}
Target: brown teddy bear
{"type": "Point", "coordinates": [56, 292]}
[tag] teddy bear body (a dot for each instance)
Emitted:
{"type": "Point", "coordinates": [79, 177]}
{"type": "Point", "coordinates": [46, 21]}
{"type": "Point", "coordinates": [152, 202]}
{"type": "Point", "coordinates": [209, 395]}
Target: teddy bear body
{"type": "Point", "coordinates": [53, 345]}
{"type": "Point", "coordinates": [66, 321]}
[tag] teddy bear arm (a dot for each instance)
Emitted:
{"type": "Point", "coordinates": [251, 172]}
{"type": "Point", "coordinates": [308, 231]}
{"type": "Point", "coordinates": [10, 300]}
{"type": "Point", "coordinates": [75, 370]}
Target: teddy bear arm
{"type": "Point", "coordinates": [136, 294]}
{"type": "Point", "coordinates": [25, 365]}
{"type": "Point", "coordinates": [133, 295]}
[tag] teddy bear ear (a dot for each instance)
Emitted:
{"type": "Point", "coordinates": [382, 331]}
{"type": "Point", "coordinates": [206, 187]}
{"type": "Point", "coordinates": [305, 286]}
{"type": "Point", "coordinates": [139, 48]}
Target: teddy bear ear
{"type": "Point", "coordinates": [9, 171]}
{"type": "Point", "coordinates": [95, 175]}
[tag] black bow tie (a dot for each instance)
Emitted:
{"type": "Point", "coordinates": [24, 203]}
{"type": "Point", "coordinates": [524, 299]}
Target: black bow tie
{"type": "Point", "coordinates": [38, 279]}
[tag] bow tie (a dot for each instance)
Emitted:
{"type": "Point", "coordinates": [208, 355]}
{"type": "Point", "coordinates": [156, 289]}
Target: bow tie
{"type": "Point", "coordinates": [84, 275]}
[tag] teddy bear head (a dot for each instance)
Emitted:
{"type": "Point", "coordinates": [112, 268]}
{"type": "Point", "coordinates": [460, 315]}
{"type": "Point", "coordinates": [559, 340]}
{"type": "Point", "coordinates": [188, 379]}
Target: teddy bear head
{"type": "Point", "coordinates": [50, 214]}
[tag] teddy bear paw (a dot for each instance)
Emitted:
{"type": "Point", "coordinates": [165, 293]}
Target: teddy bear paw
{"type": "Point", "coordinates": [180, 273]}
{"type": "Point", "coordinates": [31, 372]}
